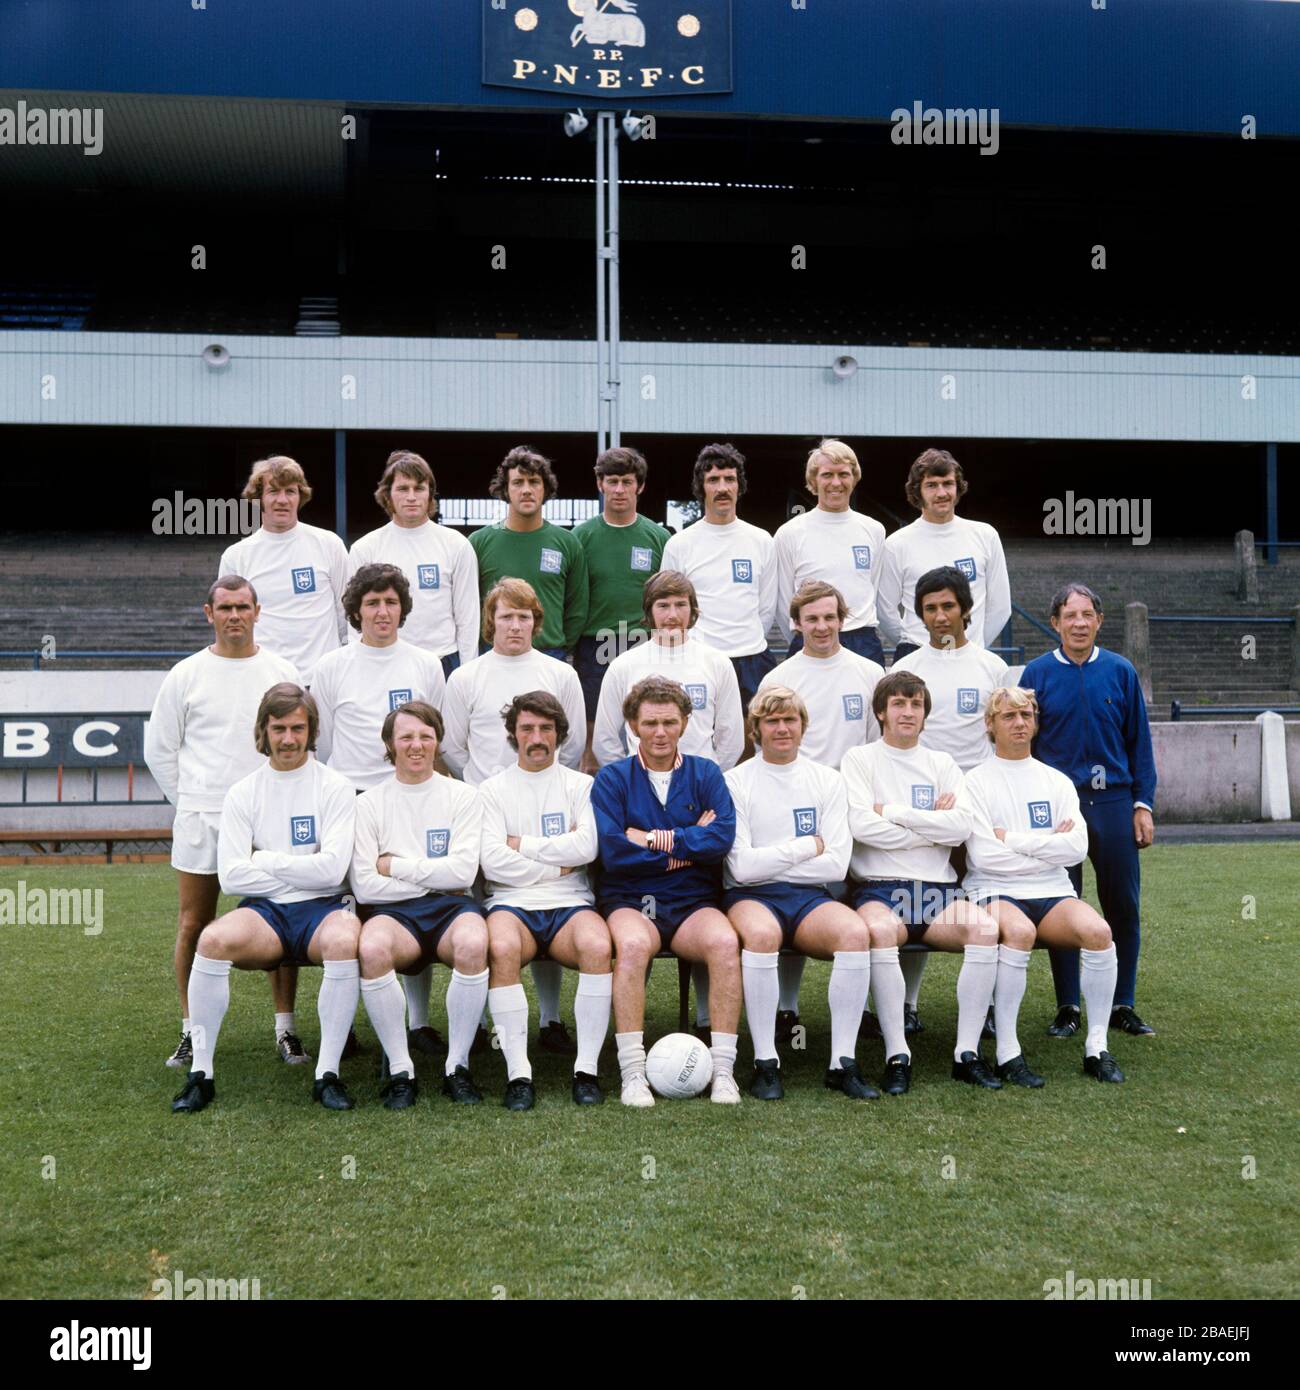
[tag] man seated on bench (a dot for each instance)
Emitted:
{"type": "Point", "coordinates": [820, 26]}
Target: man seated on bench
{"type": "Point", "coordinates": [789, 858]}
{"type": "Point", "coordinates": [905, 821]}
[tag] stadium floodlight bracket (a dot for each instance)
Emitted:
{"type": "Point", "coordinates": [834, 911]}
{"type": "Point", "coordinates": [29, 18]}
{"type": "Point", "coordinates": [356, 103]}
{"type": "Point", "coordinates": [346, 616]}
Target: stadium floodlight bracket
{"type": "Point", "coordinates": [215, 357]}
{"type": "Point", "coordinates": [844, 367]}
{"type": "Point", "coordinates": [633, 126]}
{"type": "Point", "coordinates": [575, 122]}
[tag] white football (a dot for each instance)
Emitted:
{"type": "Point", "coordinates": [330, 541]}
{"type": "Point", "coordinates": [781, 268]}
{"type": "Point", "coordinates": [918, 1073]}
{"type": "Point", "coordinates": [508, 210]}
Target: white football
{"type": "Point", "coordinates": [679, 1066]}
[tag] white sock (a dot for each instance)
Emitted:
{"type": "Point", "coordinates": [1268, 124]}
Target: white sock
{"type": "Point", "coordinates": [887, 985]}
{"type": "Point", "coordinates": [1097, 983]}
{"type": "Point", "coordinates": [509, 1008]}
{"type": "Point", "coordinates": [209, 993]}
{"type": "Point", "coordinates": [340, 992]}
{"type": "Point", "coordinates": [466, 1000]}
{"type": "Point", "coordinates": [758, 975]}
{"type": "Point", "coordinates": [789, 971]}
{"type": "Point", "coordinates": [700, 978]}
{"type": "Point", "coordinates": [547, 978]}
{"type": "Point", "coordinates": [386, 1008]}
{"type": "Point", "coordinates": [591, 1010]}
{"type": "Point", "coordinates": [284, 1024]}
{"type": "Point", "coordinates": [631, 1053]}
{"type": "Point", "coordinates": [1013, 976]}
{"type": "Point", "coordinates": [975, 984]}
{"type": "Point", "coordinates": [185, 1027]}
{"type": "Point", "coordinates": [416, 988]}
{"type": "Point", "coordinates": [913, 965]}
{"type": "Point", "coordinates": [723, 1051]}
{"type": "Point", "coordinates": [847, 995]}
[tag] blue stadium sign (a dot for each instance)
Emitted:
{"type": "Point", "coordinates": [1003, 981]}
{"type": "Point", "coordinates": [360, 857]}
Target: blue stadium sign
{"type": "Point", "coordinates": [587, 49]}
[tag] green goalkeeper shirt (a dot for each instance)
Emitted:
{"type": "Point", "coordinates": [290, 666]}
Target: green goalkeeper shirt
{"type": "Point", "coordinates": [619, 561]}
{"type": "Point", "coordinates": [552, 561]}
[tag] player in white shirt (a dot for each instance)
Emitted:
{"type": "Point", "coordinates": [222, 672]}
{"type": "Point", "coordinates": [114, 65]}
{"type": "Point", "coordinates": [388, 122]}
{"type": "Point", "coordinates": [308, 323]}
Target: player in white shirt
{"type": "Point", "coordinates": [716, 729]}
{"type": "Point", "coordinates": [732, 565]}
{"type": "Point", "coordinates": [781, 877]}
{"type": "Point", "coordinates": [413, 869]}
{"type": "Point", "coordinates": [940, 537]}
{"type": "Point", "coordinates": [906, 815]}
{"type": "Point", "coordinates": [299, 571]}
{"type": "Point", "coordinates": [835, 544]}
{"type": "Point", "coordinates": [439, 563]}
{"type": "Point", "coordinates": [836, 685]}
{"type": "Point", "coordinates": [960, 676]}
{"type": "Point", "coordinates": [358, 686]}
{"type": "Point", "coordinates": [284, 848]}
{"type": "Point", "coordinates": [539, 836]}
{"type": "Point", "coordinates": [198, 743]}
{"type": "Point", "coordinates": [1026, 831]}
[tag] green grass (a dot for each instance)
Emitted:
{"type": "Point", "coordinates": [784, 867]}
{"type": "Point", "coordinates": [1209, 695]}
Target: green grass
{"type": "Point", "coordinates": [844, 1200]}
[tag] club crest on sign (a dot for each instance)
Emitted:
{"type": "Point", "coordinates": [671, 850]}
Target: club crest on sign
{"type": "Point", "coordinates": [436, 843]}
{"type": "Point", "coordinates": [968, 701]}
{"type": "Point", "coordinates": [552, 823]}
{"type": "Point", "coordinates": [922, 796]}
{"type": "Point", "coordinates": [862, 557]}
{"type": "Point", "coordinates": [551, 561]}
{"type": "Point", "coordinates": [398, 697]}
{"type": "Point", "coordinates": [641, 558]}
{"type": "Point", "coordinates": [1040, 813]}
{"type": "Point", "coordinates": [429, 577]}
{"type": "Point", "coordinates": [302, 830]}
{"type": "Point", "coordinates": [966, 567]}
{"type": "Point", "coordinates": [742, 571]}
{"type": "Point", "coordinates": [805, 820]}
{"type": "Point", "coordinates": [304, 580]}
{"type": "Point", "coordinates": [853, 706]}
{"type": "Point", "coordinates": [699, 695]}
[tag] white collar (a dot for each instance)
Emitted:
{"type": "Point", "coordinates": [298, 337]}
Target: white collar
{"type": "Point", "coordinates": [1065, 660]}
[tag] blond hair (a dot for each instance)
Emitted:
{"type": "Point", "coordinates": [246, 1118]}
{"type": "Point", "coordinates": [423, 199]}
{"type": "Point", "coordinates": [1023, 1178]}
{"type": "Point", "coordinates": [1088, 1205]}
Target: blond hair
{"type": "Point", "coordinates": [280, 471]}
{"type": "Point", "coordinates": [517, 593]}
{"type": "Point", "coordinates": [1009, 697]}
{"type": "Point", "coordinates": [834, 451]}
{"type": "Point", "coordinates": [774, 699]}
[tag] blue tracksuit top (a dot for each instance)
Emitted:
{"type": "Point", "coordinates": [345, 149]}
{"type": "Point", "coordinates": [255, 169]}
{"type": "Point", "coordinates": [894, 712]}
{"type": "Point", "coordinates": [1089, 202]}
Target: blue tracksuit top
{"type": "Point", "coordinates": [622, 797]}
{"type": "Point", "coordinates": [1093, 716]}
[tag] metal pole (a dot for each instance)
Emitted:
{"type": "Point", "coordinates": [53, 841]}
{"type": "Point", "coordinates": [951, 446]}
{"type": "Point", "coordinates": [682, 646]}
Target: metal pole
{"type": "Point", "coordinates": [615, 367]}
{"type": "Point", "coordinates": [601, 434]}
{"type": "Point", "coordinates": [341, 484]}
{"type": "Point", "coordinates": [1270, 504]}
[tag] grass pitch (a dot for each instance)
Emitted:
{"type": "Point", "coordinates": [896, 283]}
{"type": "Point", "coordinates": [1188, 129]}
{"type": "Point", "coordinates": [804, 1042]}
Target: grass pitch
{"type": "Point", "coordinates": [947, 1192]}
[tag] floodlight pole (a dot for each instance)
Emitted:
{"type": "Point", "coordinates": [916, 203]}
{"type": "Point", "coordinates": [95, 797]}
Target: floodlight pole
{"type": "Point", "coordinates": [607, 298]}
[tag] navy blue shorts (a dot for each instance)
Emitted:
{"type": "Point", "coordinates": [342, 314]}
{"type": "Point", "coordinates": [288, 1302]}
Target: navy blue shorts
{"type": "Point", "coordinates": [295, 923]}
{"type": "Point", "coordinates": [750, 671]}
{"type": "Point", "coordinates": [428, 918]}
{"type": "Point", "coordinates": [590, 672]}
{"type": "Point", "coordinates": [902, 649]}
{"type": "Point", "coordinates": [916, 903]}
{"type": "Point", "coordinates": [665, 914]}
{"type": "Point", "coordinates": [1033, 908]}
{"type": "Point", "coordinates": [450, 663]}
{"type": "Point", "coordinates": [789, 903]}
{"type": "Point", "coordinates": [543, 923]}
{"type": "Point", "coordinates": [862, 640]}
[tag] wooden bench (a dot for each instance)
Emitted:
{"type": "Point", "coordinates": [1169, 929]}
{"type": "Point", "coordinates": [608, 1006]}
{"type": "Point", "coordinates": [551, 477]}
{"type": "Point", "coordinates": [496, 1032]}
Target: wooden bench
{"type": "Point", "coordinates": [39, 839]}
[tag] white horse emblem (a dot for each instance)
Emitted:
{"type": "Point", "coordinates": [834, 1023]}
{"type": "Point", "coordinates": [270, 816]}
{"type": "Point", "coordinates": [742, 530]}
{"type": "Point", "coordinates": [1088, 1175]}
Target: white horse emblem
{"type": "Point", "coordinates": [597, 26]}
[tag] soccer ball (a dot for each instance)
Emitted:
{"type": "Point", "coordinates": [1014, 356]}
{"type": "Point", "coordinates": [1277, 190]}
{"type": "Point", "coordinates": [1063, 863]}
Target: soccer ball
{"type": "Point", "coordinates": [679, 1066]}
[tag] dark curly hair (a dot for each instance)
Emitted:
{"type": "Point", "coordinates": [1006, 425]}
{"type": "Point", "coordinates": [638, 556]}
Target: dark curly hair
{"type": "Point", "coordinates": [374, 579]}
{"type": "Point", "coordinates": [718, 456]}
{"type": "Point", "coordinates": [527, 460]}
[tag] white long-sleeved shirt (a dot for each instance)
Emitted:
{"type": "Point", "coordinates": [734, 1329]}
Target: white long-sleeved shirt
{"type": "Point", "coordinates": [287, 836]}
{"type": "Point", "coordinates": [973, 547]}
{"type": "Point", "coordinates": [431, 829]}
{"type": "Point", "coordinates": [733, 568]}
{"type": "Point", "coordinates": [780, 809]}
{"type": "Point", "coordinates": [960, 681]}
{"type": "Point", "coordinates": [716, 728]}
{"type": "Point", "coordinates": [474, 745]}
{"type": "Point", "coordinates": [355, 689]}
{"type": "Point", "coordinates": [837, 690]}
{"type": "Point", "coordinates": [199, 740]}
{"type": "Point", "coordinates": [442, 569]}
{"type": "Point", "coordinates": [550, 812]}
{"type": "Point", "coordinates": [909, 839]}
{"type": "Point", "coordinates": [846, 549]}
{"type": "Point", "coordinates": [1028, 800]}
{"type": "Point", "coordinates": [299, 576]}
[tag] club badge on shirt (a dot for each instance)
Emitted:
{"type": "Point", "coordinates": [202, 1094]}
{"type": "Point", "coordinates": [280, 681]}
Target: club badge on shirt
{"type": "Point", "coordinates": [699, 695]}
{"type": "Point", "coordinates": [429, 577]}
{"type": "Point", "coordinates": [551, 561]}
{"type": "Point", "coordinates": [1040, 813]}
{"type": "Point", "coordinates": [862, 557]}
{"type": "Point", "coordinates": [742, 571]}
{"type": "Point", "coordinates": [552, 823]}
{"type": "Point", "coordinates": [966, 567]}
{"type": "Point", "coordinates": [304, 580]}
{"type": "Point", "coordinates": [922, 796]}
{"type": "Point", "coordinates": [968, 701]}
{"type": "Point", "coordinates": [302, 830]}
{"type": "Point", "coordinates": [436, 843]}
{"type": "Point", "coordinates": [805, 820]}
{"type": "Point", "coordinates": [398, 697]}
{"type": "Point", "coordinates": [853, 706]}
{"type": "Point", "coordinates": [641, 558]}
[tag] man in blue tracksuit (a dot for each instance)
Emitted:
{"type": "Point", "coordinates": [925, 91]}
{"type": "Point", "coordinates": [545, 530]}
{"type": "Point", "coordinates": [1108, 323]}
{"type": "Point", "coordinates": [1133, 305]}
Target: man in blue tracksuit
{"type": "Point", "coordinates": [1093, 728]}
{"type": "Point", "coordinates": [665, 822]}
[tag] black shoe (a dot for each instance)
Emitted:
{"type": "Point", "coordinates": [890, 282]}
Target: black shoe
{"type": "Point", "coordinates": [555, 1038]}
{"type": "Point", "coordinates": [974, 1070]}
{"type": "Point", "coordinates": [586, 1089]}
{"type": "Point", "coordinates": [482, 1042]}
{"type": "Point", "coordinates": [869, 1028]}
{"type": "Point", "coordinates": [1125, 1018]}
{"type": "Point", "coordinates": [427, 1040]}
{"type": "Point", "coordinates": [704, 1033]}
{"type": "Point", "coordinates": [198, 1090]}
{"type": "Point", "coordinates": [988, 1030]}
{"type": "Point", "coordinates": [1104, 1068]}
{"type": "Point", "coordinates": [766, 1083]}
{"type": "Point", "coordinates": [898, 1076]}
{"type": "Point", "coordinates": [331, 1093]}
{"type": "Point", "coordinates": [459, 1087]}
{"type": "Point", "coordinates": [350, 1049]}
{"type": "Point", "coordinates": [847, 1078]}
{"type": "Point", "coordinates": [400, 1092]}
{"type": "Point", "coordinates": [520, 1094]}
{"type": "Point", "coordinates": [1066, 1022]}
{"type": "Point", "coordinates": [786, 1022]}
{"type": "Point", "coordinates": [1017, 1072]}
{"type": "Point", "coordinates": [911, 1021]}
